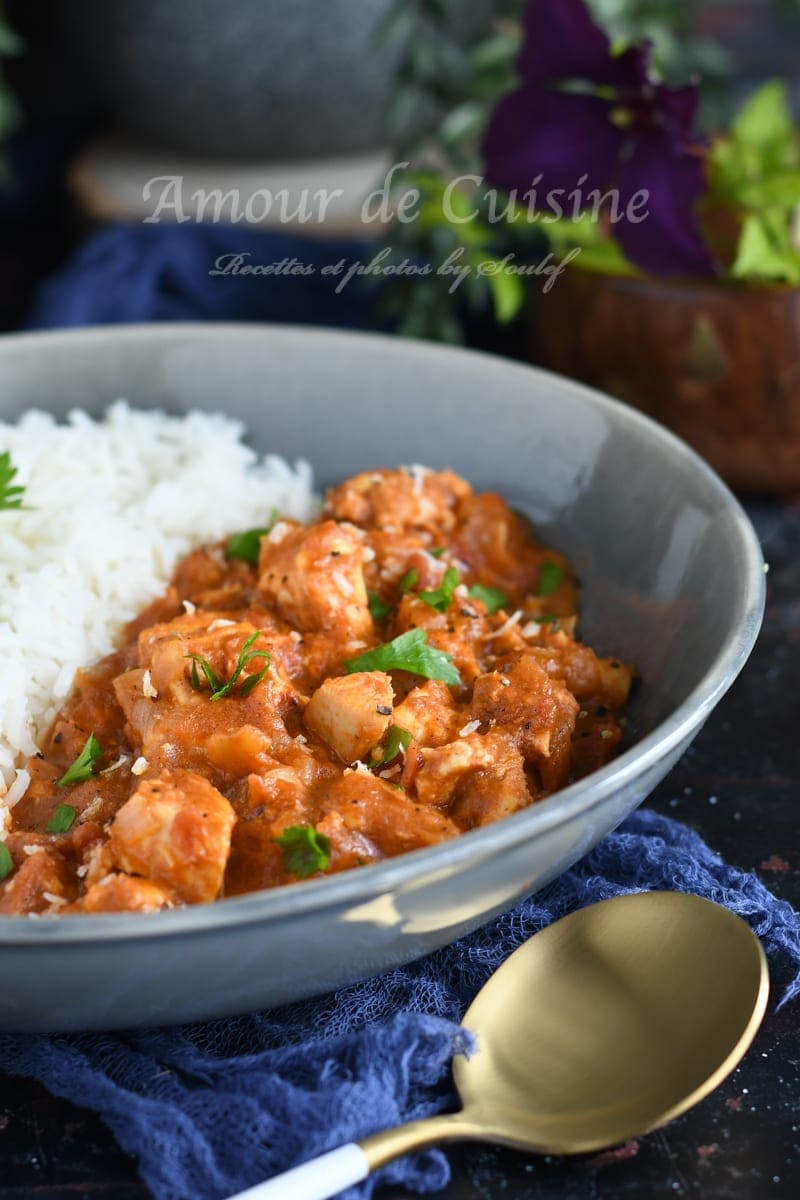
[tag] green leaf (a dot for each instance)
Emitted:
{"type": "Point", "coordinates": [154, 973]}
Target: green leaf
{"type": "Point", "coordinates": [765, 252]}
{"type": "Point", "coordinates": [304, 850]}
{"type": "Point", "coordinates": [408, 652]}
{"type": "Point", "coordinates": [246, 656]}
{"type": "Point", "coordinates": [438, 552]}
{"type": "Point", "coordinates": [247, 545]}
{"type": "Point", "coordinates": [10, 493]}
{"type": "Point", "coordinates": [407, 581]}
{"type": "Point", "coordinates": [508, 293]}
{"type": "Point", "coordinates": [464, 121]}
{"type": "Point", "coordinates": [439, 598]}
{"type": "Point", "coordinates": [497, 50]}
{"type": "Point", "coordinates": [83, 767]}
{"type": "Point", "coordinates": [379, 608]}
{"type": "Point", "coordinates": [398, 739]}
{"type": "Point", "coordinates": [765, 125]}
{"type": "Point", "coordinates": [62, 819]}
{"type": "Point", "coordinates": [6, 861]}
{"type": "Point", "coordinates": [493, 599]}
{"type": "Point", "coordinates": [550, 577]}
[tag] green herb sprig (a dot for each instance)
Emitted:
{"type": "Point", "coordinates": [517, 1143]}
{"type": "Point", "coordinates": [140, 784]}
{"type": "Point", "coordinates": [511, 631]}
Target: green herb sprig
{"type": "Point", "coordinates": [6, 861]}
{"type": "Point", "coordinates": [408, 652]}
{"type": "Point", "coordinates": [220, 689]}
{"type": "Point", "coordinates": [62, 819]}
{"type": "Point", "coordinates": [550, 578]}
{"type": "Point", "coordinates": [439, 598]}
{"type": "Point", "coordinates": [492, 598]}
{"type": "Point", "coordinates": [11, 494]}
{"type": "Point", "coordinates": [246, 546]}
{"type": "Point", "coordinates": [379, 609]}
{"type": "Point", "coordinates": [398, 739]}
{"type": "Point", "coordinates": [408, 580]}
{"type": "Point", "coordinates": [304, 850]}
{"type": "Point", "coordinates": [83, 767]}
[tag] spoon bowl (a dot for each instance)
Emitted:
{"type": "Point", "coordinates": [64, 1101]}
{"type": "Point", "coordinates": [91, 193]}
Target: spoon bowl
{"type": "Point", "coordinates": [607, 1024]}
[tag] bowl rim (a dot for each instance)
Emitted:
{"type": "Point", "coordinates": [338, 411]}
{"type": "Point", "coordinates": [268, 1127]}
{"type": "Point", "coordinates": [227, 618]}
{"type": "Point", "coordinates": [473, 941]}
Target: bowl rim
{"type": "Point", "coordinates": [355, 888]}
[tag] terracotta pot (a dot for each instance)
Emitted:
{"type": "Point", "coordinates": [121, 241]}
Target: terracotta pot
{"type": "Point", "coordinates": [718, 364]}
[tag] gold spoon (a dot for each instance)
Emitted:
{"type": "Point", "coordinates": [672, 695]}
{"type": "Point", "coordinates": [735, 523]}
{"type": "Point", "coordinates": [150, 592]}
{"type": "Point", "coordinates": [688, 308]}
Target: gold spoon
{"type": "Point", "coordinates": [605, 1025]}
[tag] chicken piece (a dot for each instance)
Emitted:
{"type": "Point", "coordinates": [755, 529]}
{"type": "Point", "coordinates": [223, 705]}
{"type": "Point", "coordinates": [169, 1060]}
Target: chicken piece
{"type": "Point", "coordinates": [41, 883]}
{"type": "Point", "coordinates": [240, 752]}
{"type": "Point", "coordinates": [498, 546]}
{"type": "Point", "coordinates": [166, 651]}
{"type": "Point", "coordinates": [493, 792]}
{"type": "Point", "coordinates": [125, 893]}
{"type": "Point", "coordinates": [429, 714]}
{"type": "Point", "coordinates": [314, 578]}
{"type": "Point", "coordinates": [397, 501]}
{"type": "Point", "coordinates": [588, 677]}
{"type": "Point", "coordinates": [385, 815]}
{"type": "Point", "coordinates": [539, 710]}
{"type": "Point", "coordinates": [443, 768]}
{"type": "Point", "coordinates": [176, 830]}
{"type": "Point", "coordinates": [351, 712]}
{"type": "Point", "coordinates": [348, 847]}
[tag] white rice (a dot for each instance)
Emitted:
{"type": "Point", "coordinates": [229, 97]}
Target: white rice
{"type": "Point", "coordinates": [112, 506]}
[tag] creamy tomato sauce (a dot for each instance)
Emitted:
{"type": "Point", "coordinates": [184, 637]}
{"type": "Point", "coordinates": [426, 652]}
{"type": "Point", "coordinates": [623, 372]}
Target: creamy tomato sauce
{"type": "Point", "coordinates": [315, 698]}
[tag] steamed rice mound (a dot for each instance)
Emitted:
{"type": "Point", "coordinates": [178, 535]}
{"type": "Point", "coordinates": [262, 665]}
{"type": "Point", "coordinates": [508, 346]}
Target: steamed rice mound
{"type": "Point", "coordinates": [111, 506]}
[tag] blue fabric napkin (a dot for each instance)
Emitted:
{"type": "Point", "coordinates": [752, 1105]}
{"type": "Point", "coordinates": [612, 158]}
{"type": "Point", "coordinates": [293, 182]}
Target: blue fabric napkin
{"type": "Point", "coordinates": [137, 272]}
{"type": "Point", "coordinates": [210, 1109]}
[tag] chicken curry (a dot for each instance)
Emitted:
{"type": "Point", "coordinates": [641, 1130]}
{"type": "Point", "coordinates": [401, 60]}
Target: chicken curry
{"type": "Point", "coordinates": [307, 699]}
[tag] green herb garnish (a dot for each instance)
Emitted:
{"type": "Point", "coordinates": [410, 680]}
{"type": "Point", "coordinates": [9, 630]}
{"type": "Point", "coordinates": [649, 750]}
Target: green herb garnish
{"type": "Point", "coordinates": [10, 493]}
{"type": "Point", "coordinates": [220, 689]}
{"type": "Point", "coordinates": [407, 581]}
{"type": "Point", "coordinates": [6, 861]}
{"type": "Point", "coordinates": [247, 545]}
{"type": "Point", "coordinates": [408, 652]}
{"type": "Point", "coordinates": [379, 608]}
{"type": "Point", "coordinates": [304, 850]}
{"type": "Point", "coordinates": [398, 739]}
{"type": "Point", "coordinates": [438, 552]}
{"type": "Point", "coordinates": [550, 577]}
{"type": "Point", "coordinates": [439, 598]}
{"type": "Point", "coordinates": [62, 819]}
{"type": "Point", "coordinates": [82, 769]}
{"type": "Point", "coordinates": [493, 599]}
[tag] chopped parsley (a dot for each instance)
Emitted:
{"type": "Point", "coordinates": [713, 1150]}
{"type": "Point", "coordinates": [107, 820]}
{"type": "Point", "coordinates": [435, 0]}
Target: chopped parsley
{"type": "Point", "coordinates": [438, 552]}
{"type": "Point", "coordinates": [550, 577]}
{"type": "Point", "coordinates": [407, 581]}
{"type": "Point", "coordinates": [10, 493]}
{"type": "Point", "coordinates": [408, 652]}
{"type": "Point", "coordinates": [398, 739]}
{"type": "Point", "coordinates": [439, 598]}
{"type": "Point", "coordinates": [62, 819]}
{"type": "Point", "coordinates": [247, 545]}
{"type": "Point", "coordinates": [492, 598]}
{"type": "Point", "coordinates": [304, 850]}
{"type": "Point", "coordinates": [6, 861]}
{"type": "Point", "coordinates": [82, 769]}
{"type": "Point", "coordinates": [220, 689]}
{"type": "Point", "coordinates": [379, 608]}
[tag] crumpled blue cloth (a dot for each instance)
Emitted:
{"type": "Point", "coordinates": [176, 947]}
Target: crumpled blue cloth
{"type": "Point", "coordinates": [212, 1108]}
{"type": "Point", "coordinates": [137, 272]}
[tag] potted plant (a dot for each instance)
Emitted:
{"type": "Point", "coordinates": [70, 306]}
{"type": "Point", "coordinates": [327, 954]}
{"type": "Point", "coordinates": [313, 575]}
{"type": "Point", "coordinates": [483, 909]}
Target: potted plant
{"type": "Point", "coordinates": [682, 289]}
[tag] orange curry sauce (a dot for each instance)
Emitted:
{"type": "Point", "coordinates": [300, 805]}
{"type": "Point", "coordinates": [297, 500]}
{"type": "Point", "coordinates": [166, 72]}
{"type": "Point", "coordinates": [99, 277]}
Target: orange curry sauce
{"type": "Point", "coordinates": [318, 763]}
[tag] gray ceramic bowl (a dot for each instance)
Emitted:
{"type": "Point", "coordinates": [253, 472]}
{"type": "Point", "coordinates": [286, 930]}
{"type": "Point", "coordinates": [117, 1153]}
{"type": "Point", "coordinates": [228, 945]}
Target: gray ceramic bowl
{"type": "Point", "coordinates": [673, 581]}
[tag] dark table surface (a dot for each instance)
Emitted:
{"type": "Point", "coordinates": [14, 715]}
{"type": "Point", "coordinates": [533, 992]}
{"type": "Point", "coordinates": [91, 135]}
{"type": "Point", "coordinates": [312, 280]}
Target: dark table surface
{"type": "Point", "coordinates": [738, 786]}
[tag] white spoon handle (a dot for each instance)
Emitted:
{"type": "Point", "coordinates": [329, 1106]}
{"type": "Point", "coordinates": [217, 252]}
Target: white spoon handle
{"type": "Point", "coordinates": [315, 1180]}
